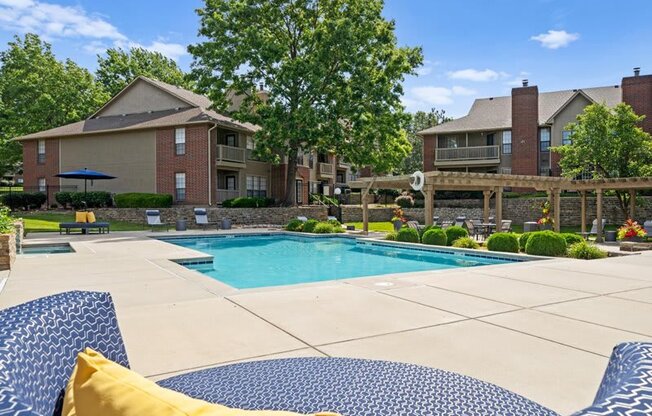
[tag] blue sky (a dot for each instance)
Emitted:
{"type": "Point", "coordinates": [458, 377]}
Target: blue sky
{"type": "Point", "coordinates": [473, 48]}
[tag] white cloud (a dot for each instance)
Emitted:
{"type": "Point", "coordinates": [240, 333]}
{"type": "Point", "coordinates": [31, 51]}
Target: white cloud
{"type": "Point", "coordinates": [555, 39]}
{"type": "Point", "coordinates": [425, 97]}
{"type": "Point", "coordinates": [426, 68]}
{"type": "Point", "coordinates": [517, 81]}
{"type": "Point", "coordinates": [477, 75]}
{"type": "Point", "coordinates": [54, 21]}
{"type": "Point", "coordinates": [457, 90]}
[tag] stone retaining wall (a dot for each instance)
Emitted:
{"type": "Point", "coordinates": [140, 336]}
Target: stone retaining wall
{"type": "Point", "coordinates": [519, 210]}
{"type": "Point", "coordinates": [238, 216]}
{"type": "Point", "coordinates": [7, 250]}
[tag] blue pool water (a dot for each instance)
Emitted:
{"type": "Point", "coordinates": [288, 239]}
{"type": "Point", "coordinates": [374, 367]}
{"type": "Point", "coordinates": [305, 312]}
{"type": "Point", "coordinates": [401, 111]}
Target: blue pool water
{"type": "Point", "coordinates": [47, 249]}
{"type": "Point", "coordinates": [273, 260]}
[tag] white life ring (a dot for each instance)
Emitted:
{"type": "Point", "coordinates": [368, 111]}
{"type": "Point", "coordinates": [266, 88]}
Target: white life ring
{"type": "Point", "coordinates": [417, 180]}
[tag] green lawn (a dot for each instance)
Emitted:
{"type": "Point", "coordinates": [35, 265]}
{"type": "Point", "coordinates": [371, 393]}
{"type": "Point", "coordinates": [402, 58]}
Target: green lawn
{"type": "Point", "coordinates": [49, 221]}
{"type": "Point", "coordinates": [374, 226]}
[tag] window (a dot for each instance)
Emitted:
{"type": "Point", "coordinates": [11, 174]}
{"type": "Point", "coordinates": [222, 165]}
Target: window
{"type": "Point", "coordinates": [544, 139]}
{"type": "Point", "coordinates": [230, 183]}
{"type": "Point", "coordinates": [506, 171]}
{"type": "Point", "coordinates": [180, 186]}
{"type": "Point", "coordinates": [180, 141]}
{"type": "Point", "coordinates": [42, 185]}
{"type": "Point", "coordinates": [41, 151]}
{"type": "Point", "coordinates": [565, 137]}
{"type": "Point", "coordinates": [545, 171]}
{"type": "Point", "coordinates": [311, 161]}
{"type": "Point", "coordinates": [490, 139]}
{"type": "Point", "coordinates": [299, 191]}
{"type": "Point", "coordinates": [250, 143]}
{"type": "Point", "coordinates": [451, 142]}
{"type": "Point", "coordinates": [256, 186]}
{"type": "Point", "coordinates": [507, 142]}
{"type": "Point", "coordinates": [231, 140]}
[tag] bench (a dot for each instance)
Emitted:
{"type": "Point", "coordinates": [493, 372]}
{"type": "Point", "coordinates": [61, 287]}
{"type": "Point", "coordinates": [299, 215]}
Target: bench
{"type": "Point", "coordinates": [84, 227]}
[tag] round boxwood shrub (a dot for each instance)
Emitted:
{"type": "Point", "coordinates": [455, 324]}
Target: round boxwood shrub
{"type": "Point", "coordinates": [309, 226]}
{"type": "Point", "coordinates": [294, 225]}
{"type": "Point", "coordinates": [572, 238]}
{"type": "Point", "coordinates": [505, 242]}
{"type": "Point", "coordinates": [323, 228]}
{"type": "Point", "coordinates": [408, 235]}
{"type": "Point", "coordinates": [546, 243]}
{"type": "Point", "coordinates": [466, 242]}
{"type": "Point", "coordinates": [586, 251]}
{"type": "Point", "coordinates": [522, 240]}
{"type": "Point", "coordinates": [423, 230]}
{"type": "Point", "coordinates": [435, 237]}
{"type": "Point", "coordinates": [454, 232]}
{"type": "Point", "coordinates": [391, 236]}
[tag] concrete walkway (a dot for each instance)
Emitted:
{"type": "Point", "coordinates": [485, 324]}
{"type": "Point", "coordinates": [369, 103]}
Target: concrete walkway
{"type": "Point", "coordinates": [544, 329]}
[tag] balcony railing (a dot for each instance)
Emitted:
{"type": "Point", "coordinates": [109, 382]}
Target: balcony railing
{"type": "Point", "coordinates": [224, 194]}
{"type": "Point", "coordinates": [450, 154]}
{"type": "Point", "coordinates": [231, 154]}
{"type": "Point", "coordinates": [326, 169]}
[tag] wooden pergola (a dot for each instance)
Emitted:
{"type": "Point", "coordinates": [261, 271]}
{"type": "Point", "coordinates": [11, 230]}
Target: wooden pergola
{"type": "Point", "coordinates": [493, 184]}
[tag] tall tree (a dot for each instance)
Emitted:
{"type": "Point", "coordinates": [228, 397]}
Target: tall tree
{"type": "Point", "coordinates": [333, 72]}
{"type": "Point", "coordinates": [38, 92]}
{"type": "Point", "coordinates": [607, 143]}
{"type": "Point", "coordinates": [419, 121]}
{"type": "Point", "coordinates": [119, 67]}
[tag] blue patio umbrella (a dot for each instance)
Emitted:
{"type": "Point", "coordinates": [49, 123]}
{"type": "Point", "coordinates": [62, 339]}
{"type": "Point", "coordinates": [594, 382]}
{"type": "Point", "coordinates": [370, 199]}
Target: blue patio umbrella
{"type": "Point", "coordinates": [86, 175]}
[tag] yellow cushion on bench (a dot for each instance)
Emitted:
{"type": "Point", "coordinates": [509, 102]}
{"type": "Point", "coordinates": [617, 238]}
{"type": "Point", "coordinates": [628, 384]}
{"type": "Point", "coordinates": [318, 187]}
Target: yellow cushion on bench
{"type": "Point", "coordinates": [90, 217]}
{"type": "Point", "coordinates": [100, 387]}
{"type": "Point", "coordinates": [80, 216]}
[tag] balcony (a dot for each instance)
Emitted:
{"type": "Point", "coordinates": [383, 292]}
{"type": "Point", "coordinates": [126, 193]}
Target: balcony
{"type": "Point", "coordinates": [467, 156]}
{"type": "Point", "coordinates": [326, 170]}
{"type": "Point", "coordinates": [229, 156]}
{"type": "Point", "coordinates": [224, 194]}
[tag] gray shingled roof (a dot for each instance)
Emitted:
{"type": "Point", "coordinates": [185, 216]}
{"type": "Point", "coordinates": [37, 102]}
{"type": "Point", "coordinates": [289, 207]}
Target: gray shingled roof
{"type": "Point", "coordinates": [166, 118]}
{"type": "Point", "coordinates": [496, 113]}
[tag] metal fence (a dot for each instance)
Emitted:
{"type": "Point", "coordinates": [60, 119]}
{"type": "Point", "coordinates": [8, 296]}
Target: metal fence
{"type": "Point", "coordinates": [48, 190]}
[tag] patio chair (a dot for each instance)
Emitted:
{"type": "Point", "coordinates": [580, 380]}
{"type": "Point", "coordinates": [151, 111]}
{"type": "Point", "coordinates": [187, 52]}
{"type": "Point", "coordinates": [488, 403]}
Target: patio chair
{"type": "Point", "coordinates": [471, 228]}
{"type": "Point", "coordinates": [201, 219]}
{"type": "Point", "coordinates": [302, 219]}
{"type": "Point", "coordinates": [594, 229]}
{"type": "Point", "coordinates": [435, 220]}
{"type": "Point", "coordinates": [40, 340]}
{"type": "Point", "coordinates": [506, 226]}
{"type": "Point", "coordinates": [154, 219]}
{"type": "Point", "coordinates": [446, 223]}
{"type": "Point", "coordinates": [647, 226]}
{"type": "Point", "coordinates": [416, 226]}
{"type": "Point", "coordinates": [459, 221]}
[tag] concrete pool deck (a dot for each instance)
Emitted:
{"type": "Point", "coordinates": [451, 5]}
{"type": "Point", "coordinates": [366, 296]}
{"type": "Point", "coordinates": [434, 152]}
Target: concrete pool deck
{"type": "Point", "coordinates": [543, 329]}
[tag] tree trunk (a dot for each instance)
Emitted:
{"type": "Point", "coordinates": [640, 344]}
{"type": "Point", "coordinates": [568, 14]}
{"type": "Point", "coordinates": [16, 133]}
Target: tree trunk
{"type": "Point", "coordinates": [623, 203]}
{"type": "Point", "coordinates": [290, 179]}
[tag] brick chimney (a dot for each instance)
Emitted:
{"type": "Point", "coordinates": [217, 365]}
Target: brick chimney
{"type": "Point", "coordinates": [637, 92]}
{"type": "Point", "coordinates": [525, 130]}
{"type": "Point", "coordinates": [429, 145]}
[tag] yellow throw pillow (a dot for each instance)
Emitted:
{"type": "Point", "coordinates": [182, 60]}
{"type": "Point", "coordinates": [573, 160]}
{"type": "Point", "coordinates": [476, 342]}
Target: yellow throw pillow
{"type": "Point", "coordinates": [100, 387]}
{"type": "Point", "coordinates": [90, 217]}
{"type": "Point", "coordinates": [80, 216]}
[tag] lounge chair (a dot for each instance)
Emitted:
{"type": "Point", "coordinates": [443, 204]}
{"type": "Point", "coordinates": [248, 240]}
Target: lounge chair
{"type": "Point", "coordinates": [435, 220]}
{"type": "Point", "coordinates": [332, 218]}
{"type": "Point", "coordinates": [647, 226]}
{"type": "Point", "coordinates": [302, 219]}
{"type": "Point", "coordinates": [446, 223]}
{"type": "Point", "coordinates": [506, 226]}
{"type": "Point", "coordinates": [416, 226]}
{"type": "Point", "coordinates": [472, 229]}
{"type": "Point", "coordinates": [459, 221]}
{"type": "Point", "coordinates": [40, 340]}
{"type": "Point", "coordinates": [594, 229]}
{"type": "Point", "coordinates": [201, 218]}
{"type": "Point", "coordinates": [154, 219]}
{"type": "Point", "coordinates": [85, 222]}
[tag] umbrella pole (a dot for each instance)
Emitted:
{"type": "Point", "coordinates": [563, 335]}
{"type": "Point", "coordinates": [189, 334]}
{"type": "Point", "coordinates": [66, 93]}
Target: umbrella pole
{"type": "Point", "coordinates": [85, 204]}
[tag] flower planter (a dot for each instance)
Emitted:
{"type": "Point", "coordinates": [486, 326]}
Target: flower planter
{"type": "Point", "coordinates": [635, 239]}
{"type": "Point", "coordinates": [7, 250]}
{"type": "Point", "coordinates": [397, 225]}
{"type": "Point", "coordinates": [544, 227]}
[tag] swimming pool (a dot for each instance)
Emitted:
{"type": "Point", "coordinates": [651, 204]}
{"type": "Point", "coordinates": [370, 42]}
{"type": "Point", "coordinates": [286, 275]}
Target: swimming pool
{"type": "Point", "coordinates": [47, 249]}
{"type": "Point", "coordinates": [281, 259]}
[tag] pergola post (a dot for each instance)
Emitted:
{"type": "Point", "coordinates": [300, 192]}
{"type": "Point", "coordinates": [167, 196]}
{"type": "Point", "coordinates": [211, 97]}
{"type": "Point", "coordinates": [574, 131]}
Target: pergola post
{"type": "Point", "coordinates": [485, 207]}
{"type": "Point", "coordinates": [632, 203]}
{"type": "Point", "coordinates": [365, 213]}
{"type": "Point", "coordinates": [598, 211]}
{"type": "Point", "coordinates": [557, 209]}
{"type": "Point", "coordinates": [583, 210]}
{"type": "Point", "coordinates": [428, 194]}
{"type": "Point", "coordinates": [499, 209]}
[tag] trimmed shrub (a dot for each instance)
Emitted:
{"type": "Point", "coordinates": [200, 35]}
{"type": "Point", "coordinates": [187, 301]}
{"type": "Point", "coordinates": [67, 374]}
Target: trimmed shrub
{"type": "Point", "coordinates": [522, 240]}
{"type": "Point", "coordinates": [572, 238]}
{"type": "Point", "coordinates": [391, 236]}
{"type": "Point", "coordinates": [586, 251]}
{"type": "Point", "coordinates": [423, 230]}
{"type": "Point", "coordinates": [546, 243]}
{"type": "Point", "coordinates": [63, 198]}
{"type": "Point", "coordinates": [454, 232]}
{"type": "Point", "coordinates": [466, 242]}
{"type": "Point", "coordinates": [323, 228]}
{"type": "Point", "coordinates": [309, 226]}
{"type": "Point", "coordinates": [404, 201]}
{"type": "Point", "coordinates": [143, 200]}
{"type": "Point", "coordinates": [435, 237]}
{"type": "Point", "coordinates": [334, 223]}
{"type": "Point", "coordinates": [408, 235]}
{"type": "Point", "coordinates": [294, 225]}
{"type": "Point", "coordinates": [247, 202]}
{"type": "Point", "coordinates": [504, 242]}
{"type": "Point", "coordinates": [23, 200]}
{"type": "Point", "coordinates": [94, 199]}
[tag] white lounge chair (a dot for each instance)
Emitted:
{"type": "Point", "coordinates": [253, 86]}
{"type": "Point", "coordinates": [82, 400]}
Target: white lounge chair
{"type": "Point", "coordinates": [201, 218]}
{"type": "Point", "coordinates": [302, 219]}
{"type": "Point", "coordinates": [594, 229]}
{"type": "Point", "coordinates": [154, 219]}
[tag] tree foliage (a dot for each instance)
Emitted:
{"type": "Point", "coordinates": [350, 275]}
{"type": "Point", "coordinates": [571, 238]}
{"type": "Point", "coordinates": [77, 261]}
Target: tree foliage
{"type": "Point", "coordinates": [419, 121]}
{"type": "Point", "coordinates": [119, 67]}
{"type": "Point", "coordinates": [38, 92]}
{"type": "Point", "coordinates": [607, 143]}
{"type": "Point", "coordinates": [333, 72]}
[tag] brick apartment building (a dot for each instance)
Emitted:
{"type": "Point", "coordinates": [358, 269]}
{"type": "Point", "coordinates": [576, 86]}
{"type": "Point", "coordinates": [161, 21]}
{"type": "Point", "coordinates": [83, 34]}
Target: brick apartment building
{"type": "Point", "coordinates": [513, 134]}
{"type": "Point", "coordinates": [159, 138]}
